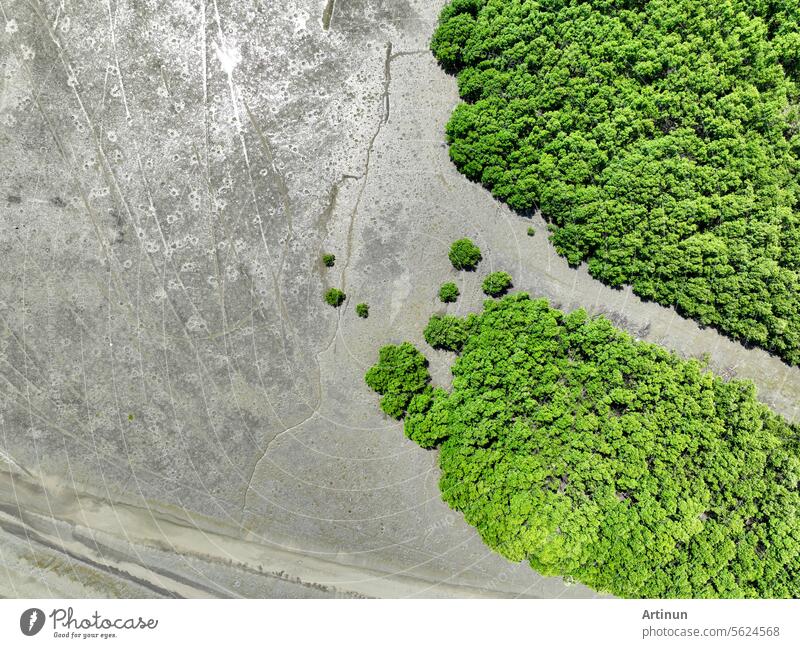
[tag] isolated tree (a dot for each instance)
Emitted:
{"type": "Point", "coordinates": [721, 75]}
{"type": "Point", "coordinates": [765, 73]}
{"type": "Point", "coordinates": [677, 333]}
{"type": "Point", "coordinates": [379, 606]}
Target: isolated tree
{"type": "Point", "coordinates": [496, 283]}
{"type": "Point", "coordinates": [329, 260]}
{"type": "Point", "coordinates": [448, 292]}
{"type": "Point", "coordinates": [464, 254]}
{"type": "Point", "coordinates": [362, 310]}
{"type": "Point", "coordinates": [334, 297]}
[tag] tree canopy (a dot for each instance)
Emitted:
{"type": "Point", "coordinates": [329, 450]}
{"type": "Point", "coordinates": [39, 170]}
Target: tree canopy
{"type": "Point", "coordinates": [496, 283]}
{"type": "Point", "coordinates": [659, 138]}
{"type": "Point", "coordinates": [401, 372]}
{"type": "Point", "coordinates": [334, 297]}
{"type": "Point", "coordinates": [568, 444]}
{"type": "Point", "coordinates": [448, 292]}
{"type": "Point", "coordinates": [448, 331]}
{"type": "Point", "coordinates": [464, 254]}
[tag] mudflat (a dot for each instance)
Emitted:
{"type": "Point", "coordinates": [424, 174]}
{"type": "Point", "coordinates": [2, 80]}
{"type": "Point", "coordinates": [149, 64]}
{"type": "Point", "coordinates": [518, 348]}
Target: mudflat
{"type": "Point", "coordinates": [182, 414]}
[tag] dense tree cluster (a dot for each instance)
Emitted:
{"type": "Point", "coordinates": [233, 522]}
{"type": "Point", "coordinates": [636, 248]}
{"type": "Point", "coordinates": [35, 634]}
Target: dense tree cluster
{"type": "Point", "coordinates": [593, 456]}
{"type": "Point", "coordinates": [496, 283]}
{"type": "Point", "coordinates": [448, 292]}
{"type": "Point", "coordinates": [659, 138]}
{"type": "Point", "coordinates": [464, 254]}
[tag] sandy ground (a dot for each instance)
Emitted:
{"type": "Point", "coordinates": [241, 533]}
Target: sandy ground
{"type": "Point", "coordinates": [182, 415]}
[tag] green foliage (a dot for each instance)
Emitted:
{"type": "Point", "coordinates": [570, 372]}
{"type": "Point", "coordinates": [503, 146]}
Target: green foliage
{"type": "Point", "coordinates": [426, 422]}
{"type": "Point", "coordinates": [660, 139]}
{"type": "Point", "coordinates": [401, 374]}
{"type": "Point", "coordinates": [362, 310]}
{"type": "Point", "coordinates": [464, 254]}
{"type": "Point", "coordinates": [448, 292]}
{"type": "Point", "coordinates": [334, 297]}
{"type": "Point", "coordinates": [496, 283]}
{"type": "Point", "coordinates": [328, 260]}
{"type": "Point", "coordinates": [613, 462]}
{"type": "Point", "coordinates": [448, 331]}
{"type": "Point", "coordinates": [531, 231]}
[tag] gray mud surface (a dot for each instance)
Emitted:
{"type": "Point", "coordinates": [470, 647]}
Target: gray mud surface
{"type": "Point", "coordinates": [180, 413]}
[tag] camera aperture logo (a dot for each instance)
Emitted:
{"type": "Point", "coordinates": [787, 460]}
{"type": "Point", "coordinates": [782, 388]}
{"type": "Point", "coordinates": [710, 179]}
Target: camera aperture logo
{"type": "Point", "coordinates": [66, 625]}
{"type": "Point", "coordinates": [31, 621]}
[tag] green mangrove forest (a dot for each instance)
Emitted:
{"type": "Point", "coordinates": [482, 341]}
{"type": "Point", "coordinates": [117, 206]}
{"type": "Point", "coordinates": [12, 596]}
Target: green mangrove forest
{"type": "Point", "coordinates": [658, 138]}
{"type": "Point", "coordinates": [591, 455]}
